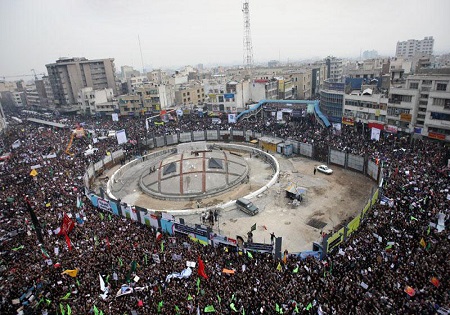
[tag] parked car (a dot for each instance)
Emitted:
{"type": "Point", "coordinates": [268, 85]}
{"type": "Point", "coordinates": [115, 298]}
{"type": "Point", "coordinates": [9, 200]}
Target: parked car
{"type": "Point", "coordinates": [324, 169]}
{"type": "Point", "coordinates": [247, 206]}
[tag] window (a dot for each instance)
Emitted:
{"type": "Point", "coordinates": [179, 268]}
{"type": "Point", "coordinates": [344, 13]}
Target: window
{"type": "Point", "coordinates": [441, 87]}
{"type": "Point", "coordinates": [414, 85]}
{"type": "Point", "coordinates": [426, 82]}
{"type": "Point", "coordinates": [440, 116]}
{"type": "Point", "coordinates": [423, 95]}
{"type": "Point", "coordinates": [442, 102]}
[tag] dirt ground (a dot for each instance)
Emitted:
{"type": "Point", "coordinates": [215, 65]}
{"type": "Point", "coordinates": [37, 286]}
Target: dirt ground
{"type": "Point", "coordinates": [330, 200]}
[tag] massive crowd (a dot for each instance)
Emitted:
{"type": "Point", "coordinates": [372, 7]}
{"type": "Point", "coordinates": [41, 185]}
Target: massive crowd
{"type": "Point", "coordinates": [396, 263]}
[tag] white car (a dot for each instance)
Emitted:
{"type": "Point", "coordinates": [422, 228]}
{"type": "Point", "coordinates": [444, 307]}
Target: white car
{"type": "Point", "coordinates": [324, 169]}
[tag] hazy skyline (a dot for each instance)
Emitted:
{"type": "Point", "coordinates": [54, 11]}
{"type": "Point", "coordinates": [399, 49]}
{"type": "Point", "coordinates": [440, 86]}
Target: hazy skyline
{"type": "Point", "coordinates": [174, 33]}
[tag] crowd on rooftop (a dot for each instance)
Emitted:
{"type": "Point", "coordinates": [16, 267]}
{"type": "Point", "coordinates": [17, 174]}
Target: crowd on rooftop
{"type": "Point", "coordinates": [396, 263]}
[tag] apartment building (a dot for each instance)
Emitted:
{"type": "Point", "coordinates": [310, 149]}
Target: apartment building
{"type": "Point", "coordinates": [32, 96]}
{"type": "Point", "coordinates": [69, 75]}
{"type": "Point", "coordinates": [189, 94]}
{"type": "Point", "coordinates": [365, 107]}
{"type": "Point", "coordinates": [422, 104]}
{"type": "Point", "coordinates": [414, 47]}
{"type": "Point", "coordinates": [334, 69]}
{"type": "Point", "coordinates": [130, 105]}
{"type": "Point", "coordinates": [97, 102]}
{"type": "Point", "coordinates": [332, 100]}
{"type": "Point", "coordinates": [302, 82]}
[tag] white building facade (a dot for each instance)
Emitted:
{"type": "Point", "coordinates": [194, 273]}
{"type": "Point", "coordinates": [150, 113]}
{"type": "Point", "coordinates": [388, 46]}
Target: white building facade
{"type": "Point", "coordinates": [414, 47]}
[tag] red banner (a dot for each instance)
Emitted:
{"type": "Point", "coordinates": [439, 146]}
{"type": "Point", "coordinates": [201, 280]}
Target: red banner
{"type": "Point", "coordinates": [376, 125]}
{"type": "Point", "coordinates": [66, 226]}
{"type": "Point", "coordinates": [436, 135]}
{"type": "Point", "coordinates": [348, 121]}
{"type": "Point", "coordinates": [391, 129]}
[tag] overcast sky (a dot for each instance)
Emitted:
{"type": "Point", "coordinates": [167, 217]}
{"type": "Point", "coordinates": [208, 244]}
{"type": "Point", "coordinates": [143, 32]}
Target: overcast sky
{"type": "Point", "coordinates": [174, 33]}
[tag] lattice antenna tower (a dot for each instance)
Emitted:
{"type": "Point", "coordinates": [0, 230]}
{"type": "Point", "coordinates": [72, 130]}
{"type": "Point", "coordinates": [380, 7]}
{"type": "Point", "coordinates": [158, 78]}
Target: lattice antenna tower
{"type": "Point", "coordinates": [248, 49]}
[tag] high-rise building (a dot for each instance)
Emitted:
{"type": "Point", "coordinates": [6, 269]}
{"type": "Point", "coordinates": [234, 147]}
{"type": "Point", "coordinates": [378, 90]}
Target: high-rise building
{"type": "Point", "coordinates": [69, 75]}
{"type": "Point", "coordinates": [414, 47]}
{"type": "Point", "coordinates": [334, 69]}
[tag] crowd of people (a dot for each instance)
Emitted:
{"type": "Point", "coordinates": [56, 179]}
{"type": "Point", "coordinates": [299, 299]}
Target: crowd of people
{"type": "Point", "coordinates": [396, 263]}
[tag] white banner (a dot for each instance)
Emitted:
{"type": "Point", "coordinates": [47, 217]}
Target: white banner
{"type": "Point", "coordinates": [279, 115]}
{"type": "Point", "coordinates": [16, 144]}
{"type": "Point", "coordinates": [115, 117]}
{"type": "Point", "coordinates": [375, 134]}
{"type": "Point", "coordinates": [231, 118]}
{"type": "Point", "coordinates": [121, 136]}
{"type": "Point", "coordinates": [104, 205]}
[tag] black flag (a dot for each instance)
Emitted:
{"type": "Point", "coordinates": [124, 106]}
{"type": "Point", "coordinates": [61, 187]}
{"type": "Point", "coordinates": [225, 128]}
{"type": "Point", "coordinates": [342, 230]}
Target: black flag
{"type": "Point", "coordinates": [35, 221]}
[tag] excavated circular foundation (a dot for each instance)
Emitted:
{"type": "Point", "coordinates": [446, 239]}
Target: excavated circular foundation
{"type": "Point", "coordinates": [190, 175]}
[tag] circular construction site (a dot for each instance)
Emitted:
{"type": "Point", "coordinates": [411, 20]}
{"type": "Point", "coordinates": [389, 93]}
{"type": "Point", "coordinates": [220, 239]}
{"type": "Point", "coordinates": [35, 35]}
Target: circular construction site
{"type": "Point", "coordinates": [193, 174]}
{"type": "Point", "coordinates": [328, 201]}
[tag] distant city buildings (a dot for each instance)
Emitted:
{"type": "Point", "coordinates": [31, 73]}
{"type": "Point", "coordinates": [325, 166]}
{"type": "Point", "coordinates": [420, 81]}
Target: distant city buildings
{"type": "Point", "coordinates": [369, 54]}
{"type": "Point", "coordinates": [414, 47]}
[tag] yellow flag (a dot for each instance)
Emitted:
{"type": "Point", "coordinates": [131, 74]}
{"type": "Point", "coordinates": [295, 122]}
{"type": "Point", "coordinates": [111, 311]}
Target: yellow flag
{"type": "Point", "coordinates": [33, 172]}
{"type": "Point", "coordinates": [422, 242]}
{"type": "Point", "coordinates": [73, 273]}
{"type": "Point", "coordinates": [285, 259]}
{"type": "Point", "coordinates": [279, 267]}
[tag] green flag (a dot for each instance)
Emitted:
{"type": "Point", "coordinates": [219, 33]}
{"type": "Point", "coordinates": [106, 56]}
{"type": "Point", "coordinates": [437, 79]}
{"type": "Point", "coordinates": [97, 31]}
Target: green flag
{"type": "Point", "coordinates": [133, 265]}
{"type": "Point", "coordinates": [160, 305]}
{"type": "Point", "coordinates": [209, 309]}
{"type": "Point", "coordinates": [177, 309]}
{"type": "Point", "coordinates": [220, 300]}
{"type": "Point", "coordinates": [69, 310]}
{"type": "Point", "coordinates": [48, 302]}
{"type": "Point", "coordinates": [253, 227]}
{"type": "Point", "coordinates": [295, 270]}
{"type": "Point", "coordinates": [18, 248]}
{"type": "Point", "coordinates": [65, 297]}
{"type": "Point", "coordinates": [296, 308]}
{"type": "Point", "coordinates": [120, 262]}
{"type": "Point", "coordinates": [162, 246]}
{"type": "Point", "coordinates": [78, 282]}
{"type": "Point", "coordinates": [198, 286]}
{"type": "Point", "coordinates": [277, 308]}
{"type": "Point", "coordinates": [63, 310]}
{"type": "Point", "coordinates": [243, 311]}
{"type": "Point", "coordinates": [189, 297]}
{"type": "Point", "coordinates": [101, 312]}
{"type": "Point", "coordinates": [107, 279]}
{"type": "Point", "coordinates": [428, 231]}
{"type": "Point", "coordinates": [109, 217]}
{"type": "Point", "coordinates": [413, 218]}
{"type": "Point", "coordinates": [249, 254]}
{"type": "Point", "coordinates": [309, 306]}
{"type": "Point", "coordinates": [233, 307]}
{"type": "Point", "coordinates": [232, 297]}
{"type": "Point", "coordinates": [101, 215]}
{"type": "Point", "coordinates": [95, 310]}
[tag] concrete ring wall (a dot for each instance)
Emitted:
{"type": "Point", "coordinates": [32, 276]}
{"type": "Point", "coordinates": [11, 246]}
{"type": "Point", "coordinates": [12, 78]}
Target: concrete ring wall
{"type": "Point", "coordinates": [269, 158]}
{"type": "Point", "coordinates": [191, 197]}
